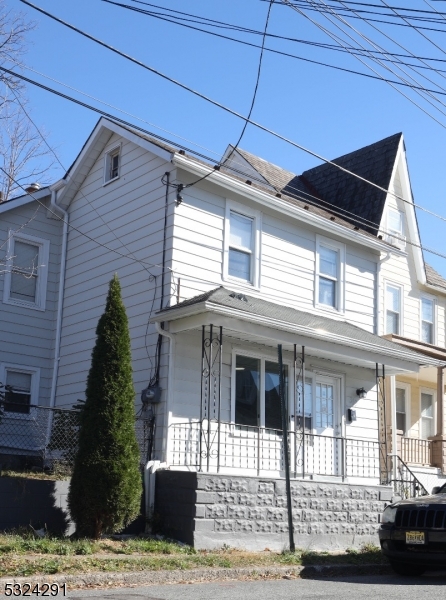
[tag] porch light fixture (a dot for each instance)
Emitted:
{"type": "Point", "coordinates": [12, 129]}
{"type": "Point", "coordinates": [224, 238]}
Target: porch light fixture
{"type": "Point", "coordinates": [361, 392]}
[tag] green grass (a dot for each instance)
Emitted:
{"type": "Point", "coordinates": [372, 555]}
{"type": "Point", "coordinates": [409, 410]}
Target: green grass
{"type": "Point", "coordinates": [22, 555]}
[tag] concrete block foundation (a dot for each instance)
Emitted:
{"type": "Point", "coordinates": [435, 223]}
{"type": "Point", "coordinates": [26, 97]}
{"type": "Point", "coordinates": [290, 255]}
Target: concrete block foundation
{"type": "Point", "coordinates": [208, 511]}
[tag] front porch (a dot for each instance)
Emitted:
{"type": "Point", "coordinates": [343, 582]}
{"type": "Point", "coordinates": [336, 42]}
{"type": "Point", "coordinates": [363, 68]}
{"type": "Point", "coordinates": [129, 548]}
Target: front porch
{"type": "Point", "coordinates": [223, 413]}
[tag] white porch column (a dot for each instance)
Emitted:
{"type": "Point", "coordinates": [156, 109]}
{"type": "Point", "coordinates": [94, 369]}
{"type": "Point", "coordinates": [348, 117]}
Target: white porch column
{"type": "Point", "coordinates": [393, 423]}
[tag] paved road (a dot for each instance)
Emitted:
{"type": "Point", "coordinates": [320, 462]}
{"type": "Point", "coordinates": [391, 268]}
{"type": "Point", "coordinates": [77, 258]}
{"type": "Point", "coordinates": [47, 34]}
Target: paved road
{"type": "Point", "coordinates": [392, 587]}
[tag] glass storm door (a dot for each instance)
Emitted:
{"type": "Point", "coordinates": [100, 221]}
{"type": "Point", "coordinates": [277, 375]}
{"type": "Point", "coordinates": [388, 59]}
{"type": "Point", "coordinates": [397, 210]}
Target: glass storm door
{"type": "Point", "coordinates": [327, 447]}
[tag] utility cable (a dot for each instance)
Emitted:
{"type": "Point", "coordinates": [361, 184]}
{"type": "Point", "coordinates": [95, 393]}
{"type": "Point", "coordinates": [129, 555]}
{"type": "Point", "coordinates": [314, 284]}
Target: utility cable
{"type": "Point", "coordinates": [211, 101]}
{"type": "Point", "coordinates": [254, 123]}
{"type": "Point", "coordinates": [335, 37]}
{"type": "Point", "coordinates": [180, 186]}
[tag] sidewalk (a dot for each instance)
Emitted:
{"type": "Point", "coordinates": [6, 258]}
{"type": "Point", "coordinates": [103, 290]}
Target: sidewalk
{"type": "Point", "coordinates": [129, 578]}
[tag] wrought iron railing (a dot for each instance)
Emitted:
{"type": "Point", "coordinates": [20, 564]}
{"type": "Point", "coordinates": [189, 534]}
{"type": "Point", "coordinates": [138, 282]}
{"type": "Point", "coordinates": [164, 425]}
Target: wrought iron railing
{"type": "Point", "coordinates": [404, 481]}
{"type": "Point", "coordinates": [415, 451]}
{"type": "Point", "coordinates": [212, 446]}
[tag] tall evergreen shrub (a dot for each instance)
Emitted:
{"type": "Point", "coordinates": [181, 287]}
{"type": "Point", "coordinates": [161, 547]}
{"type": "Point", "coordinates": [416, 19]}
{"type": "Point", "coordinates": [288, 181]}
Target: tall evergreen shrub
{"type": "Point", "coordinates": [105, 489]}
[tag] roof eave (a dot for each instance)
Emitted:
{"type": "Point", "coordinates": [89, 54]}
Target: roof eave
{"type": "Point", "coordinates": [207, 306]}
{"type": "Point", "coordinates": [266, 199]}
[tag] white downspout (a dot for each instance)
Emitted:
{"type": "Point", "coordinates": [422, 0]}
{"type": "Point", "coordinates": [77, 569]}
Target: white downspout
{"type": "Point", "coordinates": [57, 209]}
{"type": "Point", "coordinates": [170, 376]}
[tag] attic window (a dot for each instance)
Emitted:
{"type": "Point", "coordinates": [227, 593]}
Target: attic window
{"type": "Point", "coordinates": [112, 164]}
{"type": "Point", "coordinates": [395, 222]}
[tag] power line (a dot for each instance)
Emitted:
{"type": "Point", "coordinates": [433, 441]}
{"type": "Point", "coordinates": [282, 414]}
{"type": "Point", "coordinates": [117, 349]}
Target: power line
{"type": "Point", "coordinates": [254, 96]}
{"type": "Point", "coordinates": [424, 90]}
{"type": "Point", "coordinates": [222, 25]}
{"type": "Point", "coordinates": [207, 99]}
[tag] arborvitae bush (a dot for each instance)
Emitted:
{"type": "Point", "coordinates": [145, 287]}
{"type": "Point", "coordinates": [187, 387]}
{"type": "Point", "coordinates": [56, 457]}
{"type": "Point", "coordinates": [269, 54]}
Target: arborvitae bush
{"type": "Point", "coordinates": [105, 489]}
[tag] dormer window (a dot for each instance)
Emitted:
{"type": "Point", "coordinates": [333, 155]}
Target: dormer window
{"type": "Point", "coordinates": [112, 164]}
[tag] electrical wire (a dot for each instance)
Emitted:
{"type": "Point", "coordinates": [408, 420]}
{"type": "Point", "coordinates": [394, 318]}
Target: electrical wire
{"type": "Point", "coordinates": [334, 47]}
{"type": "Point", "coordinates": [335, 37]}
{"type": "Point", "coordinates": [418, 90]}
{"type": "Point", "coordinates": [207, 99]}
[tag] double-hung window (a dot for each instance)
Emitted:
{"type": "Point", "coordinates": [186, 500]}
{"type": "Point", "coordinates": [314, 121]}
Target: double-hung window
{"type": "Point", "coordinates": [112, 164]}
{"type": "Point", "coordinates": [395, 222]}
{"type": "Point", "coordinates": [401, 409]}
{"type": "Point", "coordinates": [393, 309]}
{"type": "Point", "coordinates": [427, 320]}
{"type": "Point", "coordinates": [427, 414]}
{"type": "Point", "coordinates": [242, 245]}
{"type": "Point", "coordinates": [22, 385]}
{"type": "Point", "coordinates": [26, 271]}
{"type": "Point", "coordinates": [330, 274]}
{"type": "Point", "coordinates": [256, 392]}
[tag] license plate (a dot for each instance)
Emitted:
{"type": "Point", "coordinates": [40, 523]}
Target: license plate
{"type": "Point", "coordinates": [415, 537]}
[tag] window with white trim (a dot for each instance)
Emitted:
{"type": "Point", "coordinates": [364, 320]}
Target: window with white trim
{"type": "Point", "coordinates": [427, 320]}
{"type": "Point", "coordinates": [330, 267]}
{"type": "Point", "coordinates": [21, 388]}
{"type": "Point", "coordinates": [26, 271]}
{"type": "Point", "coordinates": [401, 409]}
{"type": "Point", "coordinates": [427, 414]}
{"type": "Point", "coordinates": [242, 245]}
{"type": "Point", "coordinates": [395, 222]}
{"type": "Point", "coordinates": [393, 309]}
{"type": "Point", "coordinates": [112, 164]}
{"type": "Point", "coordinates": [256, 392]}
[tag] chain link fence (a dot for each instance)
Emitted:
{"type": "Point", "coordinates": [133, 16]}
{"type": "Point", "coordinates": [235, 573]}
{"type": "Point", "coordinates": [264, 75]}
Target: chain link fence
{"type": "Point", "coordinates": [47, 438]}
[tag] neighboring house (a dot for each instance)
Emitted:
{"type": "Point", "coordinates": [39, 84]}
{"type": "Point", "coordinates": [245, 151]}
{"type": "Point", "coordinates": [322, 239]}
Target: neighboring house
{"type": "Point", "coordinates": [31, 250]}
{"type": "Point", "coordinates": [248, 258]}
{"type": "Point", "coordinates": [215, 275]}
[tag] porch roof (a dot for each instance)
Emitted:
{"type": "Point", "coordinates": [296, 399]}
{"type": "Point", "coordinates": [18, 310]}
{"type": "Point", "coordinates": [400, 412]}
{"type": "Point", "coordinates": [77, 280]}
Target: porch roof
{"type": "Point", "coordinates": [290, 325]}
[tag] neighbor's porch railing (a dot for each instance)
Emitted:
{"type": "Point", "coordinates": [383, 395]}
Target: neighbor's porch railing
{"type": "Point", "coordinates": [415, 451]}
{"type": "Point", "coordinates": [212, 446]}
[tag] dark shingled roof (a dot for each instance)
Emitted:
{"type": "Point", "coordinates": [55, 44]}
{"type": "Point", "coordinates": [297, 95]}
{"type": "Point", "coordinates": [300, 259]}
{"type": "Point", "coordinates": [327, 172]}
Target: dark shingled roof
{"type": "Point", "coordinates": [434, 278]}
{"type": "Point", "coordinates": [326, 185]}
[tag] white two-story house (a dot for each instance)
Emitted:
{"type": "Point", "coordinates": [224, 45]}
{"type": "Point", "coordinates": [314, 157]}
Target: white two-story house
{"type": "Point", "coordinates": [219, 266]}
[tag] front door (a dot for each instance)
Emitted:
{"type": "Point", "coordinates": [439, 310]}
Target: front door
{"type": "Point", "coordinates": [327, 444]}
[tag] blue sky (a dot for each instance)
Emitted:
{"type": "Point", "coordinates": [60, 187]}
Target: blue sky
{"type": "Point", "coordinates": [328, 111]}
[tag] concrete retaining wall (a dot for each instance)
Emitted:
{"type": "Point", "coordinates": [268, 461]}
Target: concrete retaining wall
{"type": "Point", "coordinates": [34, 502]}
{"type": "Point", "coordinates": [208, 511]}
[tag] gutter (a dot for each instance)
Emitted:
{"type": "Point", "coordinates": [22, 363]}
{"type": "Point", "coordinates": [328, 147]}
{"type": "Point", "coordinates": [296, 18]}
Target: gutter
{"type": "Point", "coordinates": [282, 206]}
{"type": "Point", "coordinates": [58, 210]}
{"type": "Point", "coordinates": [399, 352]}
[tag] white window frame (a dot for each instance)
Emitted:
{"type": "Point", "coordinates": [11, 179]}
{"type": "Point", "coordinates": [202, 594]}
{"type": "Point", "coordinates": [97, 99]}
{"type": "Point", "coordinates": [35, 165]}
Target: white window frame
{"type": "Point", "coordinates": [401, 288]}
{"type": "Point", "coordinates": [433, 393]}
{"type": "Point", "coordinates": [116, 149]}
{"type": "Point", "coordinates": [340, 288]}
{"type": "Point", "coordinates": [434, 315]}
{"type": "Point", "coordinates": [407, 395]}
{"type": "Point", "coordinates": [397, 238]}
{"type": "Point", "coordinates": [42, 274]}
{"type": "Point", "coordinates": [35, 386]}
{"type": "Point", "coordinates": [256, 217]}
{"type": "Point", "coordinates": [263, 358]}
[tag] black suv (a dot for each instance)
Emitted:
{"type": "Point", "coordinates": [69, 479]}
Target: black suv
{"type": "Point", "coordinates": [413, 533]}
